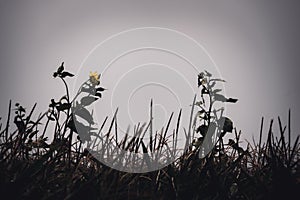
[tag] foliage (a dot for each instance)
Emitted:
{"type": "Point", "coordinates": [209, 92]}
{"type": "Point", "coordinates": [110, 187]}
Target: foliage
{"type": "Point", "coordinates": [32, 167]}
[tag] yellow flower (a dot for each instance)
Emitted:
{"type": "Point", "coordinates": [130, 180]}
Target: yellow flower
{"type": "Point", "coordinates": [204, 81]}
{"type": "Point", "coordinates": [94, 78]}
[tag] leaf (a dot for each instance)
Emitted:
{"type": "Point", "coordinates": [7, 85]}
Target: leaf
{"type": "Point", "coordinates": [79, 128]}
{"type": "Point", "coordinates": [200, 112]}
{"type": "Point", "coordinates": [198, 142]}
{"type": "Point", "coordinates": [20, 124]}
{"type": "Point", "coordinates": [217, 79]}
{"type": "Point", "coordinates": [144, 147]}
{"type": "Point", "coordinates": [211, 129]}
{"type": "Point", "coordinates": [202, 130]}
{"type": "Point", "coordinates": [220, 97]}
{"type": "Point", "coordinates": [65, 74]}
{"type": "Point", "coordinates": [33, 134]}
{"type": "Point", "coordinates": [63, 98]}
{"type": "Point", "coordinates": [84, 138]}
{"type": "Point", "coordinates": [60, 69]}
{"type": "Point", "coordinates": [231, 142]}
{"type": "Point", "coordinates": [200, 77]}
{"type": "Point", "coordinates": [204, 91]}
{"type": "Point", "coordinates": [199, 81]}
{"type": "Point", "coordinates": [213, 84]}
{"type": "Point", "coordinates": [198, 103]}
{"type": "Point", "coordinates": [64, 106]}
{"type": "Point", "coordinates": [232, 100]}
{"type": "Point", "coordinates": [100, 89]}
{"type": "Point", "coordinates": [217, 90]}
{"type": "Point", "coordinates": [84, 114]}
{"type": "Point", "coordinates": [87, 100]}
{"type": "Point", "coordinates": [88, 90]}
{"type": "Point", "coordinates": [21, 109]}
{"type": "Point", "coordinates": [98, 94]}
{"type": "Point", "coordinates": [51, 118]}
{"type": "Point", "coordinates": [71, 125]}
{"type": "Point", "coordinates": [227, 124]}
{"type": "Point", "coordinates": [208, 74]}
{"type": "Point", "coordinates": [53, 103]}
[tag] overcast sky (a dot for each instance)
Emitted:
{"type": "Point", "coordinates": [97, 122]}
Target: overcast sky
{"type": "Point", "coordinates": [255, 45]}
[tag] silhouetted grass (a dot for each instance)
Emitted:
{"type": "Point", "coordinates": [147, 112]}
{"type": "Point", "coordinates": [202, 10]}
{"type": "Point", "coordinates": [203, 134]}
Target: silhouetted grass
{"type": "Point", "coordinates": [31, 167]}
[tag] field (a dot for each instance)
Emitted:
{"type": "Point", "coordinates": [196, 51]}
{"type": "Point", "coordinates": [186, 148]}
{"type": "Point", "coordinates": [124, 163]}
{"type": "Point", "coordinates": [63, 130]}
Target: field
{"type": "Point", "coordinates": [34, 167]}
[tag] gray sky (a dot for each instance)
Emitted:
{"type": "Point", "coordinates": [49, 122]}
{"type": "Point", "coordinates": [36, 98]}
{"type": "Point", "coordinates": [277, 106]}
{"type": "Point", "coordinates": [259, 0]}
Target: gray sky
{"type": "Point", "coordinates": [254, 43]}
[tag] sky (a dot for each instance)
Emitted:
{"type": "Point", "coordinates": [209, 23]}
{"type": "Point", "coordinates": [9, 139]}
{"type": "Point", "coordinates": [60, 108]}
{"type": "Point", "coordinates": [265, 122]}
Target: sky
{"type": "Point", "coordinates": [254, 44]}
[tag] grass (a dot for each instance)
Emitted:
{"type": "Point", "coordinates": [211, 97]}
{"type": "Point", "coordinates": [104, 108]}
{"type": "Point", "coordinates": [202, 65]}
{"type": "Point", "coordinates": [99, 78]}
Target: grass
{"type": "Point", "coordinates": [32, 167]}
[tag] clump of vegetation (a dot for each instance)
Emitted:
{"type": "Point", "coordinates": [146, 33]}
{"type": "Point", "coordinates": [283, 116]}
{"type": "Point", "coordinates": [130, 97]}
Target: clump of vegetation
{"type": "Point", "coordinates": [32, 167]}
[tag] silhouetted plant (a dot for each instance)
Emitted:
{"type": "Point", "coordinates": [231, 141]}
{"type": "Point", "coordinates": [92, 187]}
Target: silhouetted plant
{"type": "Point", "coordinates": [32, 167]}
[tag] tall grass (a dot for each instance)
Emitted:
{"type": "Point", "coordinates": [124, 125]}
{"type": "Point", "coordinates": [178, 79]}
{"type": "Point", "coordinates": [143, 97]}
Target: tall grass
{"type": "Point", "coordinates": [31, 167]}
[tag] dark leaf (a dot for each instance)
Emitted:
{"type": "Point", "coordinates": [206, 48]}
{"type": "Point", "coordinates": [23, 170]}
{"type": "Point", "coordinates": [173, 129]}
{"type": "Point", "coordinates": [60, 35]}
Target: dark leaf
{"type": "Point", "coordinates": [227, 124]}
{"type": "Point", "coordinates": [84, 132]}
{"type": "Point", "coordinates": [55, 74]}
{"type": "Point", "coordinates": [64, 98]}
{"type": "Point", "coordinates": [98, 94]}
{"type": "Point", "coordinates": [65, 74]}
{"type": "Point", "coordinates": [200, 76]}
{"type": "Point", "coordinates": [71, 125]}
{"type": "Point", "coordinates": [60, 69]}
{"type": "Point", "coordinates": [198, 103]}
{"type": "Point", "coordinates": [198, 142]}
{"type": "Point", "coordinates": [232, 100]}
{"type": "Point", "coordinates": [100, 89]}
{"type": "Point", "coordinates": [20, 124]}
{"type": "Point", "coordinates": [144, 147]}
{"type": "Point", "coordinates": [87, 100]}
{"type": "Point", "coordinates": [53, 103]}
{"type": "Point", "coordinates": [201, 112]}
{"type": "Point", "coordinates": [204, 91]}
{"type": "Point", "coordinates": [235, 146]}
{"type": "Point", "coordinates": [21, 109]}
{"type": "Point", "coordinates": [79, 127]}
{"type": "Point", "coordinates": [202, 130]}
{"type": "Point", "coordinates": [231, 142]}
{"type": "Point", "coordinates": [51, 118]}
{"type": "Point", "coordinates": [63, 106]}
{"type": "Point", "coordinates": [29, 130]}
{"type": "Point", "coordinates": [33, 134]}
